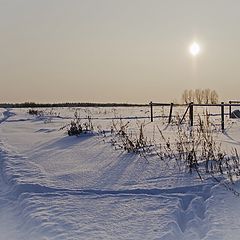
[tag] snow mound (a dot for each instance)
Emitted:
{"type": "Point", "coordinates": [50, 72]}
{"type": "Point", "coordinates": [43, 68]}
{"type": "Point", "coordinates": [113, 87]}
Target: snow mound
{"type": "Point", "coordinates": [235, 114]}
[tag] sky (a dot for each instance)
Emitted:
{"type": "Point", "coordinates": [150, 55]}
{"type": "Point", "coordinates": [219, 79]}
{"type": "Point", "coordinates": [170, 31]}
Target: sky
{"type": "Point", "coordinates": [132, 51]}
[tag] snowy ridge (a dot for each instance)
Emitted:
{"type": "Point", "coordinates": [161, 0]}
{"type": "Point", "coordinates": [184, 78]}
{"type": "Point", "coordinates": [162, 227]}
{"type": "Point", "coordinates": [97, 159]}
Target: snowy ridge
{"type": "Point", "coordinates": [5, 115]}
{"type": "Point", "coordinates": [36, 188]}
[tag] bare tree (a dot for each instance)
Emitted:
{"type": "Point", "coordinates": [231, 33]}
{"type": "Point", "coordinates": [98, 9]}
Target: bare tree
{"type": "Point", "coordinates": [198, 95]}
{"type": "Point", "coordinates": [206, 95]}
{"type": "Point", "coordinates": [191, 96]}
{"type": "Point", "coordinates": [213, 97]}
{"type": "Point", "coordinates": [185, 96]}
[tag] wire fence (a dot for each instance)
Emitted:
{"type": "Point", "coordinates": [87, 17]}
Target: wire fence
{"type": "Point", "coordinates": [221, 109]}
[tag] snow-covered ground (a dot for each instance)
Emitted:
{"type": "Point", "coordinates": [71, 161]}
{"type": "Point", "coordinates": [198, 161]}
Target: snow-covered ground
{"type": "Point", "coordinates": [53, 186]}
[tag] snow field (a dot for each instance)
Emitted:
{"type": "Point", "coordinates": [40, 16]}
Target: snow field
{"type": "Point", "coordinates": [58, 187]}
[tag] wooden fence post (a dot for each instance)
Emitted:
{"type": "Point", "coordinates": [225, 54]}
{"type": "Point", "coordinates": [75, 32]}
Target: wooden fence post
{"type": "Point", "coordinates": [151, 110]}
{"type": "Point", "coordinates": [191, 113]}
{"type": "Point", "coordinates": [170, 113]}
{"type": "Point", "coordinates": [222, 116]}
{"type": "Point", "coordinates": [230, 109]}
{"type": "Point", "coordinates": [184, 114]}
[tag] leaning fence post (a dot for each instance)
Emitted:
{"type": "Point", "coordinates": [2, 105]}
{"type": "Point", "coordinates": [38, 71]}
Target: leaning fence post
{"type": "Point", "coordinates": [230, 109]}
{"type": "Point", "coordinates": [222, 116]}
{"type": "Point", "coordinates": [151, 110]}
{"type": "Point", "coordinates": [191, 113]}
{"type": "Point", "coordinates": [170, 113]}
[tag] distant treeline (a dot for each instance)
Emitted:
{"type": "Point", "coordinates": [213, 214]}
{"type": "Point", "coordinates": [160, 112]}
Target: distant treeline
{"type": "Point", "coordinates": [51, 105]}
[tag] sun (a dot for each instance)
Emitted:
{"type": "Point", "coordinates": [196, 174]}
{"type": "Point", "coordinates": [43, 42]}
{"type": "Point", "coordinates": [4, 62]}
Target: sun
{"type": "Point", "coordinates": [194, 49]}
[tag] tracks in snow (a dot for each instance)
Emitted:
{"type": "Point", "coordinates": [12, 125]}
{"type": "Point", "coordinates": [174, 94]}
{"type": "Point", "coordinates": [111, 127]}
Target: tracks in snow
{"type": "Point", "coordinates": [190, 216]}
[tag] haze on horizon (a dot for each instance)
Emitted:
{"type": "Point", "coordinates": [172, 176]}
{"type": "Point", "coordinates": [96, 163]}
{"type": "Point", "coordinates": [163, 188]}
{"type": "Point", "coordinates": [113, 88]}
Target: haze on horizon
{"type": "Point", "coordinates": [117, 50]}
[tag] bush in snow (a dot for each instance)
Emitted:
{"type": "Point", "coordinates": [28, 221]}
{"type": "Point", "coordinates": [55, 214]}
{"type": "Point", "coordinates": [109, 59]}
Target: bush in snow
{"type": "Point", "coordinates": [194, 150]}
{"type": "Point", "coordinates": [35, 112]}
{"type": "Point", "coordinates": [76, 127]}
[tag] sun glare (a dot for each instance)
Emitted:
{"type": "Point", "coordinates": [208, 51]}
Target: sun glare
{"type": "Point", "coordinates": [194, 49]}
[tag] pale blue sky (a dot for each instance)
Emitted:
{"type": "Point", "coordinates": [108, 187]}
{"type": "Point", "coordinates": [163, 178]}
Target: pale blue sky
{"type": "Point", "coordinates": [117, 50]}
